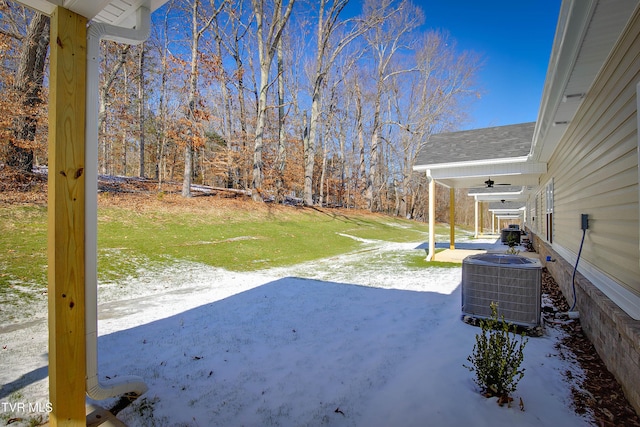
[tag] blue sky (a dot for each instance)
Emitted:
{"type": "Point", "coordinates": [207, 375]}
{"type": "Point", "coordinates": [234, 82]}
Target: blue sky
{"type": "Point", "coordinates": [515, 38]}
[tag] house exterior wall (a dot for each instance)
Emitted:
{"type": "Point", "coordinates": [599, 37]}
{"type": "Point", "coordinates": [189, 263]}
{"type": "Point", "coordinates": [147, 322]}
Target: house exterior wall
{"type": "Point", "coordinates": [594, 171]}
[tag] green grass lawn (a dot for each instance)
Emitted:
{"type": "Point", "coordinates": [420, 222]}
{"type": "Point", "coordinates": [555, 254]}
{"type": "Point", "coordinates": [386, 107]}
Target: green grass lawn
{"type": "Point", "coordinates": [238, 240]}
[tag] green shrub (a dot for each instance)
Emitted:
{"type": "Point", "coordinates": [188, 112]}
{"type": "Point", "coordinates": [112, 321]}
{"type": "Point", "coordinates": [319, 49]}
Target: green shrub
{"type": "Point", "coordinates": [496, 358]}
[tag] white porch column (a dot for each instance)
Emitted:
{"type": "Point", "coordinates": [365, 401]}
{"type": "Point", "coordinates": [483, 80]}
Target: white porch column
{"type": "Point", "coordinates": [432, 216]}
{"type": "Point", "coordinates": [476, 216]}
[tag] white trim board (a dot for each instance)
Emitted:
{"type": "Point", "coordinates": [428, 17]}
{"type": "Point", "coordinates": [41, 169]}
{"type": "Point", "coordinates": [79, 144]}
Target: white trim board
{"type": "Point", "coordinates": [621, 296]}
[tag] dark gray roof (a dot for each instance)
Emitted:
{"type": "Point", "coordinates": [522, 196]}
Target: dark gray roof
{"type": "Point", "coordinates": [499, 142]}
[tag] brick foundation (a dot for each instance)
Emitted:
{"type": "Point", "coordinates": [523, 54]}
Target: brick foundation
{"type": "Point", "coordinates": [614, 334]}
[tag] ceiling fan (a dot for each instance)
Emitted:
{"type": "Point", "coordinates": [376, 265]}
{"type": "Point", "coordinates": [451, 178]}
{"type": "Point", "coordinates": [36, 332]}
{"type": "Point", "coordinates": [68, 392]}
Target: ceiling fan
{"type": "Point", "coordinates": [489, 183]}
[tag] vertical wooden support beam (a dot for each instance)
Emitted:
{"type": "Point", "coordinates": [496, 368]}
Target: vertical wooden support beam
{"type": "Point", "coordinates": [452, 218]}
{"type": "Point", "coordinates": [67, 85]}
{"type": "Point", "coordinates": [493, 223]}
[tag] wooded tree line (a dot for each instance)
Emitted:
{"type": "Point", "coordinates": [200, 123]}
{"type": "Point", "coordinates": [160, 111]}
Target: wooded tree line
{"type": "Point", "coordinates": [322, 102]}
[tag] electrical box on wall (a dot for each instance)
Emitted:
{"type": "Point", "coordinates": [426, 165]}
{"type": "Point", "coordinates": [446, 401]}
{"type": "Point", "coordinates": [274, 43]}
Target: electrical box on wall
{"type": "Point", "coordinates": [584, 221]}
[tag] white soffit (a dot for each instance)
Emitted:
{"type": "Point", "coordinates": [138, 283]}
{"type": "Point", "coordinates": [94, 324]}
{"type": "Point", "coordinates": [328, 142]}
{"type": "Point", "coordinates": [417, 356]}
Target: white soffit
{"type": "Point", "coordinates": [497, 169]}
{"type": "Point", "coordinates": [113, 12]}
{"type": "Point", "coordinates": [587, 31]}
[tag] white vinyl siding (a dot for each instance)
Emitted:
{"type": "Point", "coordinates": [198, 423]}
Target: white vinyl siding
{"type": "Point", "coordinates": [595, 171]}
{"type": "Point", "coordinates": [638, 138]}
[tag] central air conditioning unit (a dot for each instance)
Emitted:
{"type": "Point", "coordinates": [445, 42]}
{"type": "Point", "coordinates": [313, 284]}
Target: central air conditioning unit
{"type": "Point", "coordinates": [511, 281]}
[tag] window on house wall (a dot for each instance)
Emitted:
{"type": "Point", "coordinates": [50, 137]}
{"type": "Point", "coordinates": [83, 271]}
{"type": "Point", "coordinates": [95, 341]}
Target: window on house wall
{"type": "Point", "coordinates": [549, 211]}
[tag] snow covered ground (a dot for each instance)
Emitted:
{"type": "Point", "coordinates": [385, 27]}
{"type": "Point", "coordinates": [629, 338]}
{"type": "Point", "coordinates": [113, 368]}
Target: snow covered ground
{"type": "Point", "coordinates": [353, 340]}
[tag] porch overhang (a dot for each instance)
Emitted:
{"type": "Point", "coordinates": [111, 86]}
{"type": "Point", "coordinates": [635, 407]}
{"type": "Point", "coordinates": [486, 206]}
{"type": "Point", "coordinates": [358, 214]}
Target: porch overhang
{"type": "Point", "coordinates": [519, 171]}
{"type": "Point", "coordinates": [121, 13]}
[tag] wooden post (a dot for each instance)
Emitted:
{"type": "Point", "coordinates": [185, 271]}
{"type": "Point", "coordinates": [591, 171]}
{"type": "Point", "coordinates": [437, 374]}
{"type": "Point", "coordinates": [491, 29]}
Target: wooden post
{"type": "Point", "coordinates": [67, 85]}
{"type": "Point", "coordinates": [493, 223]}
{"type": "Point", "coordinates": [452, 218]}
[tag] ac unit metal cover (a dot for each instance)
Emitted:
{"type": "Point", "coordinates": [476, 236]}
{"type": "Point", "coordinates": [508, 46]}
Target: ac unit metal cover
{"type": "Point", "coordinates": [511, 281]}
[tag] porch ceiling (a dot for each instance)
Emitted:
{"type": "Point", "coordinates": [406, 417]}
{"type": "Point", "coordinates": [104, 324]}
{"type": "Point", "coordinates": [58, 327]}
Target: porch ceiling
{"type": "Point", "coordinates": [520, 172]}
{"type": "Point", "coordinates": [114, 12]}
{"type": "Point", "coordinates": [507, 208]}
{"type": "Point", "coordinates": [511, 196]}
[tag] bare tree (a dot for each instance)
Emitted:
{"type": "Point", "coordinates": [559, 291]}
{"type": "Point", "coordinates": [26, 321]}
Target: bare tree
{"type": "Point", "coordinates": [162, 126]}
{"type": "Point", "coordinates": [396, 21]}
{"type": "Point", "coordinates": [141, 105]}
{"type": "Point", "coordinates": [372, 92]}
{"type": "Point", "coordinates": [107, 83]}
{"type": "Point", "coordinates": [197, 31]}
{"type": "Point", "coordinates": [268, 38]}
{"type": "Point", "coordinates": [435, 101]}
{"type": "Point", "coordinates": [281, 155]}
{"type": "Point", "coordinates": [237, 35]}
{"type": "Point", "coordinates": [327, 50]}
{"type": "Point", "coordinates": [362, 167]}
{"type": "Point", "coordinates": [28, 85]}
{"type": "Point", "coordinates": [227, 114]}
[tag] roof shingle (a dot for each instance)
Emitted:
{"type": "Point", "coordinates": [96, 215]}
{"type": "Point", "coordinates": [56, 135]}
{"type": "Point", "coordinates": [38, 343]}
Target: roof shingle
{"type": "Point", "coordinates": [501, 142]}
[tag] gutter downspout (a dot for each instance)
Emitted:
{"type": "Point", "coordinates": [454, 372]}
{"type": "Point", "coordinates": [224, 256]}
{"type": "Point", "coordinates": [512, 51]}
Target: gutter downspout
{"type": "Point", "coordinates": [96, 32]}
{"type": "Point", "coordinates": [432, 216]}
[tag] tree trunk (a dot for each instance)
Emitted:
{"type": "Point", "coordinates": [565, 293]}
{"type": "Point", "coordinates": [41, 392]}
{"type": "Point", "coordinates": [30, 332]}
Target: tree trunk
{"type": "Point", "coordinates": [191, 102]}
{"type": "Point", "coordinates": [141, 110]}
{"type": "Point", "coordinates": [162, 125]}
{"type": "Point", "coordinates": [324, 197]}
{"type": "Point", "coordinates": [256, 184]}
{"type": "Point", "coordinates": [310, 149]}
{"type": "Point", "coordinates": [232, 170]}
{"type": "Point", "coordinates": [196, 34]}
{"type": "Point", "coordinates": [102, 108]}
{"type": "Point", "coordinates": [362, 167]}
{"type": "Point", "coordinates": [343, 156]}
{"type": "Point", "coordinates": [308, 183]}
{"type": "Point", "coordinates": [28, 84]}
{"type": "Point", "coordinates": [326, 55]}
{"type": "Point", "coordinates": [267, 46]}
{"type": "Point", "coordinates": [281, 156]}
{"type": "Point", "coordinates": [373, 178]}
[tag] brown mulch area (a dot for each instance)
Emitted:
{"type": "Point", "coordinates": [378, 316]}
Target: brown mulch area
{"type": "Point", "coordinates": [598, 392]}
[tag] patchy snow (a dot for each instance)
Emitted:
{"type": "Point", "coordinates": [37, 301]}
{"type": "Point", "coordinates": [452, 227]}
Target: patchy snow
{"type": "Point", "coordinates": [353, 340]}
